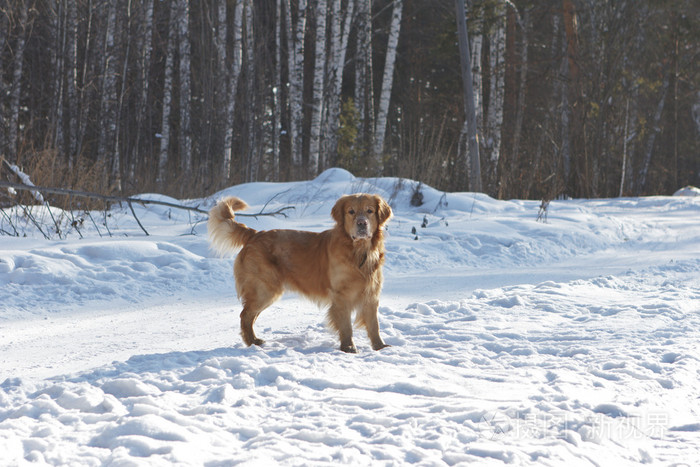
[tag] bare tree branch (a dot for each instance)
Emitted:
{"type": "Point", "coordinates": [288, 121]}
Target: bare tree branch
{"type": "Point", "coordinates": [129, 200]}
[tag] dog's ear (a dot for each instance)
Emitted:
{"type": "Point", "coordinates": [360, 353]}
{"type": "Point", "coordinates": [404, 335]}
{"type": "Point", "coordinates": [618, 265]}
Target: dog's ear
{"type": "Point", "coordinates": [338, 211]}
{"type": "Point", "coordinates": [383, 210]}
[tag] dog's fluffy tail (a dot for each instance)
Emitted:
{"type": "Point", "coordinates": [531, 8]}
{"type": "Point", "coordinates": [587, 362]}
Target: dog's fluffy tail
{"type": "Point", "coordinates": [225, 234]}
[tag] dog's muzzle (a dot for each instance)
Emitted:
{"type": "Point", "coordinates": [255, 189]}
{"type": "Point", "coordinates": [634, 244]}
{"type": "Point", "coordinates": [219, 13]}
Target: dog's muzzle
{"type": "Point", "coordinates": [361, 228]}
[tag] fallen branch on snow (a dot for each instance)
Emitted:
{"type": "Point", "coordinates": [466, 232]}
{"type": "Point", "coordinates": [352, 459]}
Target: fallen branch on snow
{"type": "Point", "coordinates": [129, 201]}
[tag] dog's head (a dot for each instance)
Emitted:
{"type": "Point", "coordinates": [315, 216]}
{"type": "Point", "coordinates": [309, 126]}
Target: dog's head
{"type": "Point", "coordinates": [361, 215]}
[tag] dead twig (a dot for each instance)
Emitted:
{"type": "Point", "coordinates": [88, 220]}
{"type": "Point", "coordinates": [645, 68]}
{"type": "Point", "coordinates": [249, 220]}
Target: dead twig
{"type": "Point", "coordinates": [124, 199]}
{"type": "Point", "coordinates": [87, 194]}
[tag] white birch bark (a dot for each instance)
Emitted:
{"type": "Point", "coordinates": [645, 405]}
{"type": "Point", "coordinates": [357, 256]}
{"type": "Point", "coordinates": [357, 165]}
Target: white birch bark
{"type": "Point", "coordinates": [89, 71]}
{"type": "Point", "coordinates": [296, 86]}
{"type": "Point", "coordinates": [624, 148]}
{"type": "Point", "coordinates": [494, 116]}
{"type": "Point", "coordinates": [477, 46]}
{"type": "Point", "coordinates": [468, 139]}
{"type": "Point", "coordinates": [4, 27]}
{"type": "Point", "coordinates": [696, 112]}
{"type": "Point", "coordinates": [655, 130]}
{"type": "Point", "coordinates": [251, 158]}
{"type": "Point", "coordinates": [183, 20]}
{"type": "Point", "coordinates": [57, 39]}
{"type": "Point", "coordinates": [72, 80]}
{"type": "Point", "coordinates": [562, 85]}
{"type": "Point", "coordinates": [363, 72]}
{"type": "Point", "coordinates": [108, 103]}
{"type": "Point", "coordinates": [144, 50]}
{"type": "Point", "coordinates": [220, 96]}
{"type": "Point", "coordinates": [317, 99]}
{"type": "Point", "coordinates": [15, 90]}
{"type": "Point", "coordinates": [340, 33]}
{"type": "Point", "coordinates": [387, 85]}
{"type": "Point", "coordinates": [167, 96]}
{"type": "Point", "coordinates": [220, 45]}
{"type": "Point", "coordinates": [522, 86]}
{"type": "Point", "coordinates": [276, 91]}
{"type": "Point", "coordinates": [234, 73]}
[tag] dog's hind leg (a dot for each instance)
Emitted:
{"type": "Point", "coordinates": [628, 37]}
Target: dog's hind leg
{"type": "Point", "coordinates": [253, 304]}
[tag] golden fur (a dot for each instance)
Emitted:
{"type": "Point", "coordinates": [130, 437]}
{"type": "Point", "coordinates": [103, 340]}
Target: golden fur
{"type": "Point", "coordinates": [340, 268]}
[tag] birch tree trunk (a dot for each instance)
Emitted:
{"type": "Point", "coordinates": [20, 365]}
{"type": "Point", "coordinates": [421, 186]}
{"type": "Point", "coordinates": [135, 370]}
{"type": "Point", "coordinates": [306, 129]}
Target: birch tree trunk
{"type": "Point", "coordinates": [655, 130]}
{"type": "Point", "coordinates": [387, 85]}
{"type": "Point", "coordinates": [183, 21]}
{"type": "Point", "coordinates": [318, 83]}
{"type": "Point", "coordinates": [251, 158]}
{"type": "Point", "coordinates": [57, 39]}
{"type": "Point", "coordinates": [340, 33]}
{"type": "Point", "coordinates": [16, 87]}
{"type": "Point", "coordinates": [218, 111]}
{"type": "Point", "coordinates": [89, 71]}
{"type": "Point", "coordinates": [72, 80]}
{"type": "Point", "coordinates": [471, 155]}
{"type": "Point", "coordinates": [108, 104]}
{"type": "Point", "coordinates": [570, 81]}
{"type": "Point", "coordinates": [276, 93]}
{"type": "Point", "coordinates": [296, 87]}
{"type": "Point", "coordinates": [364, 98]}
{"type": "Point", "coordinates": [232, 90]}
{"type": "Point", "coordinates": [4, 27]}
{"type": "Point", "coordinates": [476, 49]}
{"type": "Point", "coordinates": [167, 96]}
{"type": "Point", "coordinates": [624, 148]}
{"type": "Point", "coordinates": [494, 116]}
{"type": "Point", "coordinates": [562, 85]}
{"type": "Point", "coordinates": [522, 86]}
{"type": "Point", "coordinates": [144, 49]}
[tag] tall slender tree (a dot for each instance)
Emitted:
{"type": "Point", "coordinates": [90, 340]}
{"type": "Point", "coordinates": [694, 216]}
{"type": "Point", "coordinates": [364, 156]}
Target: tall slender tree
{"type": "Point", "coordinates": [185, 133]}
{"type": "Point", "coordinates": [296, 84]}
{"type": "Point", "coordinates": [71, 79]}
{"type": "Point", "coordinates": [232, 90]}
{"type": "Point", "coordinates": [252, 162]}
{"type": "Point", "coordinates": [318, 86]}
{"type": "Point", "coordinates": [364, 90]}
{"type": "Point", "coordinates": [163, 155]}
{"type": "Point", "coordinates": [340, 33]}
{"type": "Point", "coordinates": [468, 139]}
{"type": "Point", "coordinates": [16, 87]}
{"type": "Point", "coordinates": [494, 112]}
{"type": "Point", "coordinates": [108, 150]}
{"type": "Point", "coordinates": [387, 85]}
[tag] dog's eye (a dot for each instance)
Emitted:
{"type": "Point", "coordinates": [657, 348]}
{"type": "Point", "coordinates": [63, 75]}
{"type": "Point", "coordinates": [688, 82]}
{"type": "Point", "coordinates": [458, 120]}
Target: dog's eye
{"type": "Point", "coordinates": [370, 211]}
{"type": "Point", "coordinates": [351, 212]}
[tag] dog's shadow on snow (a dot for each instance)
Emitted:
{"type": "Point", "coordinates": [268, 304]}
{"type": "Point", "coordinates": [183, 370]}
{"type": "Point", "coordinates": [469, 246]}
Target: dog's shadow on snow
{"type": "Point", "coordinates": [235, 359]}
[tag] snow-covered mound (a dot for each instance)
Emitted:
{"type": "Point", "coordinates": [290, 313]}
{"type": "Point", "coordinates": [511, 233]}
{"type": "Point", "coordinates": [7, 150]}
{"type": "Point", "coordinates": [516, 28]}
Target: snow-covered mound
{"type": "Point", "coordinates": [514, 341]}
{"type": "Point", "coordinates": [688, 191]}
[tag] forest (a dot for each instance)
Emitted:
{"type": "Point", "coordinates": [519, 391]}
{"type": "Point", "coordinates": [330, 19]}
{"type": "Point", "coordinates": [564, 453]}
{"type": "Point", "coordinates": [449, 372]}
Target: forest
{"type": "Point", "coordinates": [569, 98]}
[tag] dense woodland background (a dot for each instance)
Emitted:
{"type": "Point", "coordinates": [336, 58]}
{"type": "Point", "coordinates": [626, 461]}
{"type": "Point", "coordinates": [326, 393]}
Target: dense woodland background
{"type": "Point", "coordinates": [584, 98]}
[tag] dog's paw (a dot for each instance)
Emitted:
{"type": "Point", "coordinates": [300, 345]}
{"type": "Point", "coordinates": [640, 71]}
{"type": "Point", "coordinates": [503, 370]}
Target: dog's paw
{"type": "Point", "coordinates": [258, 342]}
{"type": "Point", "coordinates": [380, 347]}
{"type": "Point", "coordinates": [349, 348]}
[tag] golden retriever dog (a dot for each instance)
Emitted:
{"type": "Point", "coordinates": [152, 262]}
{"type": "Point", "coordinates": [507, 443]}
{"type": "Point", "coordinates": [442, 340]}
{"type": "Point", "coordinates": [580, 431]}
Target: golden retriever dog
{"type": "Point", "coordinates": [340, 268]}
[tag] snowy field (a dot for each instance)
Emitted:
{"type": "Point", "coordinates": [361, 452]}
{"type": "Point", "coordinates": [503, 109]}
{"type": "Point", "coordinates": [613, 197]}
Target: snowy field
{"type": "Point", "coordinates": [574, 341]}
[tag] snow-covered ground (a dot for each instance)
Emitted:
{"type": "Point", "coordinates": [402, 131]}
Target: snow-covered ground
{"type": "Point", "coordinates": [574, 341]}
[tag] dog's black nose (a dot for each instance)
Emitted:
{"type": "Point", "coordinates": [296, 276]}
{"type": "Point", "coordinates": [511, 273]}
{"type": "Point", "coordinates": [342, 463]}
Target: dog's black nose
{"type": "Point", "coordinates": [362, 223]}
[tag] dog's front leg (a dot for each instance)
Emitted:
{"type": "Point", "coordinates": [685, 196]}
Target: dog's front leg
{"type": "Point", "coordinates": [339, 320]}
{"type": "Point", "coordinates": [371, 322]}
